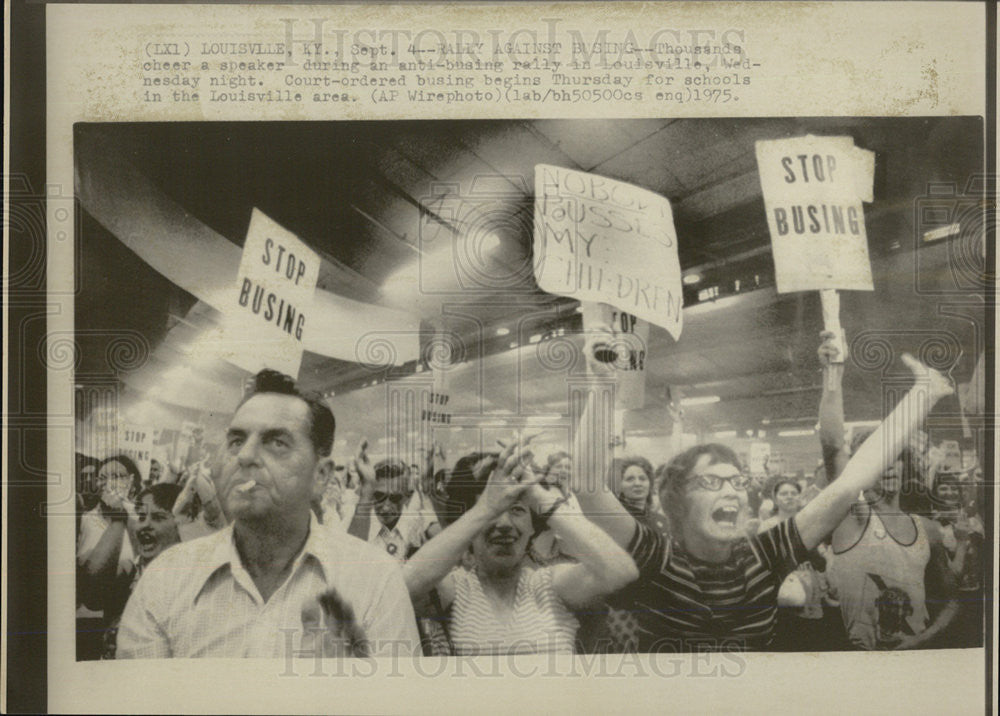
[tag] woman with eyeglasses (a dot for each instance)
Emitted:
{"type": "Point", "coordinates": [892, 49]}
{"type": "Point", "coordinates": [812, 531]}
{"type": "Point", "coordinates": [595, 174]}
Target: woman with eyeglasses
{"type": "Point", "coordinates": [502, 603]}
{"type": "Point", "coordinates": [710, 585]}
{"type": "Point", "coordinates": [103, 547]}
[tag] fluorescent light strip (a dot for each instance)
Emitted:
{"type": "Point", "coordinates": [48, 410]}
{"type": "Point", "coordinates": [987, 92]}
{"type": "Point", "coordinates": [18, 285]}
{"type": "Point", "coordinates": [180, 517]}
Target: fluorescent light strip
{"type": "Point", "coordinates": [701, 400]}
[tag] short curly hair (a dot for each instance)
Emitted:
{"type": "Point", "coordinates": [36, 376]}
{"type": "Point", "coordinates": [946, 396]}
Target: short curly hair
{"type": "Point", "coordinates": [673, 489]}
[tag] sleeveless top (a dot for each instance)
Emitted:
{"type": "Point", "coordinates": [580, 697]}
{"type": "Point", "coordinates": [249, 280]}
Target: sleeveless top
{"type": "Point", "coordinates": [880, 583]}
{"type": "Point", "coordinates": [538, 623]}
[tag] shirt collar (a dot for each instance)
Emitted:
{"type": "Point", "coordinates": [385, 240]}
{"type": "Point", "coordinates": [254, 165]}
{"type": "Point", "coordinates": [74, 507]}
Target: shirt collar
{"type": "Point", "coordinates": [223, 552]}
{"type": "Point", "coordinates": [379, 529]}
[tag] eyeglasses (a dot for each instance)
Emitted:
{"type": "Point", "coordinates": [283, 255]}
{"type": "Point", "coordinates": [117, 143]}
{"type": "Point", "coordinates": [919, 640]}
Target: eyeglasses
{"type": "Point", "coordinates": [395, 498]}
{"type": "Point", "coordinates": [714, 482]}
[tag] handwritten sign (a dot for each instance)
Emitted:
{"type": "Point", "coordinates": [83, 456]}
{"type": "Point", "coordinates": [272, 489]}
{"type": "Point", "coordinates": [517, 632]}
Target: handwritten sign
{"type": "Point", "coordinates": [813, 192]}
{"type": "Point", "coordinates": [267, 315]}
{"type": "Point", "coordinates": [601, 240]}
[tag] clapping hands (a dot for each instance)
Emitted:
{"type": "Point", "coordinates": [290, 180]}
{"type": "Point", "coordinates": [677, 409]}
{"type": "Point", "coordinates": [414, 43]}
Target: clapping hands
{"type": "Point", "coordinates": [329, 627]}
{"type": "Point", "coordinates": [511, 478]}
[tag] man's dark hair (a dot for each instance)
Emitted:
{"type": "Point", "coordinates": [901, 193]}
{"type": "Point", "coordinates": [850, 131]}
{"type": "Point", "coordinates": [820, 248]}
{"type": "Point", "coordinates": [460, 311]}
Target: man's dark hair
{"type": "Point", "coordinates": [322, 424]}
{"type": "Point", "coordinates": [391, 469]}
{"type": "Point", "coordinates": [164, 495]}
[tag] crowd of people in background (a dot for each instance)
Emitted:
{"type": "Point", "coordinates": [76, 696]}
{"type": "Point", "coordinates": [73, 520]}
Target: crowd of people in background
{"type": "Point", "coordinates": [509, 551]}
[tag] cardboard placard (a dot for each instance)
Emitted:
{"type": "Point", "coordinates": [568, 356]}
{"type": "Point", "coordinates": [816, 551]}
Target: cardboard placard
{"type": "Point", "coordinates": [813, 192]}
{"type": "Point", "coordinates": [136, 442]}
{"type": "Point", "coordinates": [267, 316]}
{"type": "Point", "coordinates": [601, 240]}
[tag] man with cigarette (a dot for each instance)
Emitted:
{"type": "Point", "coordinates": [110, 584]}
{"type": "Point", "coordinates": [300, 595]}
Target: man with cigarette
{"type": "Point", "coordinates": [273, 583]}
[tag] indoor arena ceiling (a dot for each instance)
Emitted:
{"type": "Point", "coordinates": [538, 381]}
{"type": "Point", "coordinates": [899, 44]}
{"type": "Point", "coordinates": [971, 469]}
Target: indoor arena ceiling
{"type": "Point", "coordinates": [383, 202]}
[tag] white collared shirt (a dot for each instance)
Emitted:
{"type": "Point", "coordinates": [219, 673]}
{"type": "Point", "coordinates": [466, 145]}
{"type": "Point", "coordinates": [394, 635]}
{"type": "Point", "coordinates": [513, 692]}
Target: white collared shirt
{"type": "Point", "coordinates": [197, 600]}
{"type": "Point", "coordinates": [397, 542]}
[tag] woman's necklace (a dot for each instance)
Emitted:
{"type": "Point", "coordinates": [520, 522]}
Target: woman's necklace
{"type": "Point", "coordinates": [879, 528]}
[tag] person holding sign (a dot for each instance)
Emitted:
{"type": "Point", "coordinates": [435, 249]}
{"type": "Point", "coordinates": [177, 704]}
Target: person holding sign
{"type": "Point", "coordinates": [881, 555]}
{"type": "Point", "coordinates": [710, 585]}
{"type": "Point", "coordinates": [258, 587]}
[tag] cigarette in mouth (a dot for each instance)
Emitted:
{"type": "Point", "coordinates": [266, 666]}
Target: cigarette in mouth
{"type": "Point", "coordinates": [246, 486]}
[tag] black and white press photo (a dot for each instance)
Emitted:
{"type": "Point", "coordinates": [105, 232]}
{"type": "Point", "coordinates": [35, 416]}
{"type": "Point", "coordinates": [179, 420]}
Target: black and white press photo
{"type": "Point", "coordinates": [443, 388]}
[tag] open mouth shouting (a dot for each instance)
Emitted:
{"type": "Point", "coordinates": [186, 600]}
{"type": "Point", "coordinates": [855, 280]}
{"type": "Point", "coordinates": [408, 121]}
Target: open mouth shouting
{"type": "Point", "coordinates": [726, 515]}
{"type": "Point", "coordinates": [149, 545]}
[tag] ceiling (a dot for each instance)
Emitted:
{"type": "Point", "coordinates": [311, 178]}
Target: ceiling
{"type": "Point", "coordinates": [434, 218]}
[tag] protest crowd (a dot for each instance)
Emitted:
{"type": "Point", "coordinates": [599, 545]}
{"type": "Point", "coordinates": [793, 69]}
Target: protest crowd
{"type": "Point", "coordinates": [219, 555]}
{"type": "Point", "coordinates": [261, 531]}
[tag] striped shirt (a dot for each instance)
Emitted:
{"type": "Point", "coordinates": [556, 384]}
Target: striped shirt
{"type": "Point", "coordinates": [682, 603]}
{"type": "Point", "coordinates": [538, 623]}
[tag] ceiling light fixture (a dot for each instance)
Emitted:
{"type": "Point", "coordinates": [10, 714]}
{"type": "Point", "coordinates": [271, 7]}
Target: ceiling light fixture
{"type": "Point", "coordinates": [700, 400]}
{"type": "Point", "coordinates": [796, 433]}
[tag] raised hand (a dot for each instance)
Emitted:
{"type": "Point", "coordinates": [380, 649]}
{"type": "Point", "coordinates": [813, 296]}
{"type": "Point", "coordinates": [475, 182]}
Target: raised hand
{"type": "Point", "coordinates": [363, 468]}
{"type": "Point", "coordinates": [113, 500]}
{"type": "Point", "coordinates": [962, 527]}
{"type": "Point", "coordinates": [510, 479]}
{"type": "Point", "coordinates": [596, 349]}
{"type": "Point", "coordinates": [351, 480]}
{"type": "Point", "coordinates": [938, 384]}
{"type": "Point", "coordinates": [828, 351]}
{"type": "Point", "coordinates": [329, 624]}
{"type": "Point", "coordinates": [201, 477]}
{"type": "Point", "coordinates": [430, 460]}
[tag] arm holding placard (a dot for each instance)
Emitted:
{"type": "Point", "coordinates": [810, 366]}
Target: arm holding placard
{"type": "Point", "coordinates": [593, 466]}
{"type": "Point", "coordinates": [875, 456]}
{"type": "Point", "coordinates": [831, 409]}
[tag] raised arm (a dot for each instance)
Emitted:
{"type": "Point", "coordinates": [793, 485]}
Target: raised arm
{"type": "Point", "coordinates": [427, 569]}
{"type": "Point", "coordinates": [361, 521]}
{"type": "Point", "coordinates": [211, 507]}
{"type": "Point", "coordinates": [602, 567]}
{"type": "Point", "coordinates": [592, 455]}
{"type": "Point", "coordinates": [831, 409]}
{"type": "Point", "coordinates": [819, 518]}
{"type": "Point", "coordinates": [99, 567]}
